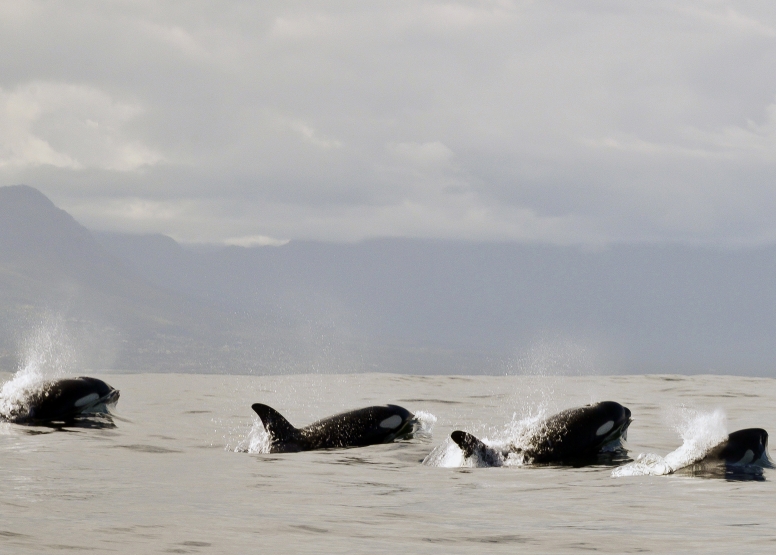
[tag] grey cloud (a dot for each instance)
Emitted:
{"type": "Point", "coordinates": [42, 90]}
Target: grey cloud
{"type": "Point", "coordinates": [563, 122]}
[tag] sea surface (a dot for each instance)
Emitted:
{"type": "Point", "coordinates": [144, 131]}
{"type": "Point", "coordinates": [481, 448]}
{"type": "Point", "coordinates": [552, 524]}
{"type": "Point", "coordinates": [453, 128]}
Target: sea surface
{"type": "Point", "coordinates": [180, 469]}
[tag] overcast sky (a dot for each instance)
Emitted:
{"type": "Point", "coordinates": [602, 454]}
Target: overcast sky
{"type": "Point", "coordinates": [255, 122]}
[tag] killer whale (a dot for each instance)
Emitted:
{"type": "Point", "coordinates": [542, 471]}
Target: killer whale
{"type": "Point", "coordinates": [743, 447]}
{"type": "Point", "coordinates": [570, 436]}
{"type": "Point", "coordinates": [355, 428]}
{"type": "Point", "coordinates": [66, 399]}
{"type": "Point", "coordinates": [742, 452]}
{"type": "Point", "coordinates": [742, 456]}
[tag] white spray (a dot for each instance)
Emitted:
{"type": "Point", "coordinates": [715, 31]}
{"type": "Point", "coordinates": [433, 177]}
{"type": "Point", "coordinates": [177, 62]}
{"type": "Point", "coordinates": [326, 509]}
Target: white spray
{"type": "Point", "coordinates": [46, 355]}
{"type": "Point", "coordinates": [700, 432]}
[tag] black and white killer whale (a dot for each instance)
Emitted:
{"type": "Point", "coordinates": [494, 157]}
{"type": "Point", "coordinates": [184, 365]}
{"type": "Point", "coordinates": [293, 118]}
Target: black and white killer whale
{"type": "Point", "coordinates": [571, 435]}
{"type": "Point", "coordinates": [64, 400]}
{"type": "Point", "coordinates": [743, 447]}
{"type": "Point", "coordinates": [356, 428]}
{"type": "Point", "coordinates": [741, 456]}
{"type": "Point", "coordinates": [748, 446]}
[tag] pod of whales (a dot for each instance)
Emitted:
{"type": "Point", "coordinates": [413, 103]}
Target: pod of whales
{"type": "Point", "coordinates": [573, 436]}
{"type": "Point", "coordinates": [356, 428]}
{"type": "Point", "coordinates": [569, 436]}
{"type": "Point", "coordinates": [64, 400]}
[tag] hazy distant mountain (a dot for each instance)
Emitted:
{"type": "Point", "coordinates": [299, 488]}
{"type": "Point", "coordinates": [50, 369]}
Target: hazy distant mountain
{"type": "Point", "coordinates": [148, 303]}
{"type": "Point", "coordinates": [56, 278]}
{"type": "Point", "coordinates": [498, 307]}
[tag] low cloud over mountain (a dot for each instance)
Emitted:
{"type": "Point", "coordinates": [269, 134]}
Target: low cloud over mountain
{"type": "Point", "coordinates": [146, 302]}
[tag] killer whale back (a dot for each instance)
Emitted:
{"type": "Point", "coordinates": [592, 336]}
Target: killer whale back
{"type": "Point", "coordinates": [355, 428]}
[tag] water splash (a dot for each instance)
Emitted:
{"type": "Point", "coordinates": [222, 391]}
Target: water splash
{"type": "Point", "coordinates": [255, 440]}
{"type": "Point", "coordinates": [46, 354]}
{"type": "Point", "coordinates": [558, 355]}
{"type": "Point", "coordinates": [518, 435]}
{"type": "Point", "coordinates": [523, 432]}
{"type": "Point", "coordinates": [546, 364]}
{"type": "Point", "coordinates": [16, 393]}
{"type": "Point", "coordinates": [424, 425]}
{"type": "Point", "coordinates": [447, 455]}
{"type": "Point", "coordinates": [700, 432]}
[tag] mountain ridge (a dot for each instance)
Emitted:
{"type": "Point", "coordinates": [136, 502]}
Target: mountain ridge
{"type": "Point", "coordinates": [52, 269]}
{"type": "Point", "coordinates": [148, 303]}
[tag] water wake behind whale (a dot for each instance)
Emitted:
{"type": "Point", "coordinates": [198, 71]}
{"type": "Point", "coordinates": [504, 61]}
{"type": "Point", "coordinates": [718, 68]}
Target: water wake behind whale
{"type": "Point", "coordinates": [707, 450]}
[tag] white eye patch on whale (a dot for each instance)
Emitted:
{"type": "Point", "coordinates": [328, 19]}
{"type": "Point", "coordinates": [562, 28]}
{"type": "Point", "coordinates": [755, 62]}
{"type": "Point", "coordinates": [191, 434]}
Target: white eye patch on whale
{"type": "Point", "coordinates": [355, 428]}
{"type": "Point", "coordinates": [569, 436]}
{"type": "Point", "coordinates": [66, 399]}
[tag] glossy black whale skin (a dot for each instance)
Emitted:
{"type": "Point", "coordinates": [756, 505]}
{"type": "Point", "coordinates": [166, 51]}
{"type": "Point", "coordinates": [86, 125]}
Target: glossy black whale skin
{"type": "Point", "coordinates": [356, 428]}
{"type": "Point", "coordinates": [748, 446]}
{"type": "Point", "coordinates": [66, 399]}
{"type": "Point", "coordinates": [571, 435]}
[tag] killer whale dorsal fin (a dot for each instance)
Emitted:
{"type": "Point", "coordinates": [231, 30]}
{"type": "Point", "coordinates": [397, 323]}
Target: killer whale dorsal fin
{"type": "Point", "coordinates": [468, 443]}
{"type": "Point", "coordinates": [471, 446]}
{"type": "Point", "coordinates": [275, 424]}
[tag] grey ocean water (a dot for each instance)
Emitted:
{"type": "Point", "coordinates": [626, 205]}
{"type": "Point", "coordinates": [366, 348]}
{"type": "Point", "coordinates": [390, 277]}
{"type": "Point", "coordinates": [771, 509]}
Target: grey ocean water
{"type": "Point", "coordinates": [179, 473]}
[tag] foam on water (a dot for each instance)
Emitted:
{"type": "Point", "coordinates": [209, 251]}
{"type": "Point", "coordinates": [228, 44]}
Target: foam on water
{"type": "Point", "coordinates": [700, 432]}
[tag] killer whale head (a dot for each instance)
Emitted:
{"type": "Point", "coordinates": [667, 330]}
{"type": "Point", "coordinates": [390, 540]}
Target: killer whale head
{"type": "Point", "coordinates": [743, 447]}
{"type": "Point", "coordinates": [355, 428]}
{"type": "Point", "coordinates": [579, 432]}
{"type": "Point", "coordinates": [68, 398]}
